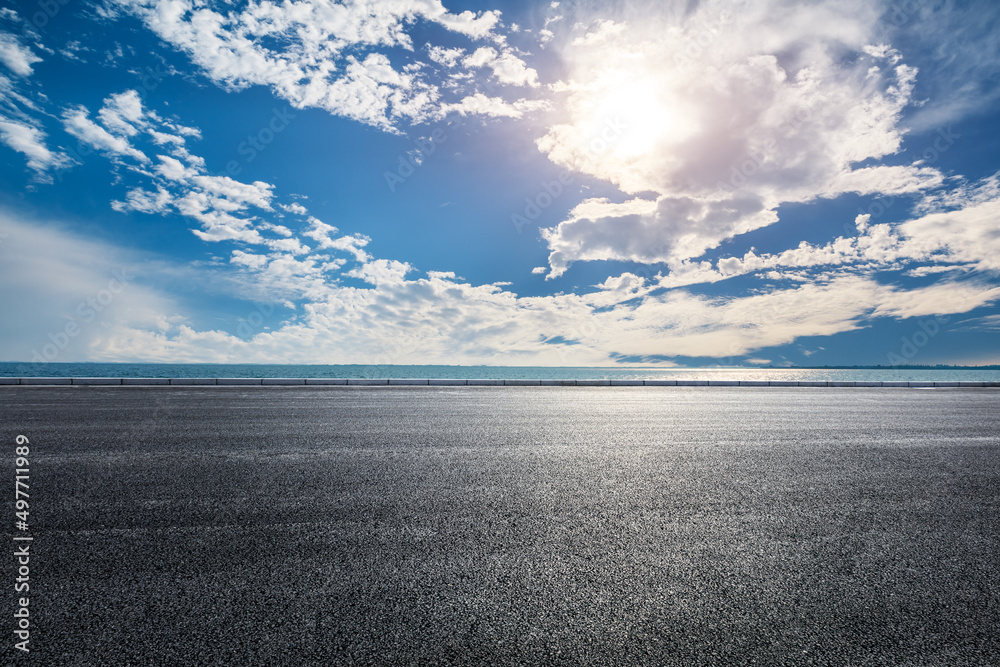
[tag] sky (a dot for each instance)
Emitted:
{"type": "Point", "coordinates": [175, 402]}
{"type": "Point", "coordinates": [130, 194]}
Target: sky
{"type": "Point", "coordinates": [673, 183]}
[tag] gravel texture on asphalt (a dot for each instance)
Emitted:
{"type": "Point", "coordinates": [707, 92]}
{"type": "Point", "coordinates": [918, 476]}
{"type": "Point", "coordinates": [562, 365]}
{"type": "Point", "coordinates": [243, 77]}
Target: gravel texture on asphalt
{"type": "Point", "coordinates": [510, 525]}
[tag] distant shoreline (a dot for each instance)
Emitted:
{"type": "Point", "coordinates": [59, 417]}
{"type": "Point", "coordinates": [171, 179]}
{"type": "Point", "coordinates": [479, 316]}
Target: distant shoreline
{"type": "Point", "coordinates": [467, 382]}
{"type": "Point", "coordinates": [906, 367]}
{"type": "Point", "coordinates": [123, 373]}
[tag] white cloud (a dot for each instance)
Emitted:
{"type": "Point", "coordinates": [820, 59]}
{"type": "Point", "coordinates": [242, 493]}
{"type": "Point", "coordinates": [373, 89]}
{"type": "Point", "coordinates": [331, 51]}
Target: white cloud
{"type": "Point", "coordinates": [165, 138]}
{"type": "Point", "coordinates": [510, 69]}
{"type": "Point", "coordinates": [446, 57]}
{"type": "Point", "coordinates": [352, 244]}
{"type": "Point", "coordinates": [89, 289]}
{"type": "Point", "coordinates": [381, 272]}
{"type": "Point", "coordinates": [289, 245]}
{"type": "Point", "coordinates": [717, 118]}
{"type": "Point", "coordinates": [310, 52]}
{"type": "Point", "coordinates": [961, 56]}
{"type": "Point", "coordinates": [218, 223]}
{"type": "Point", "coordinates": [477, 26]}
{"type": "Point", "coordinates": [794, 118]}
{"type": "Point", "coordinates": [324, 235]}
{"type": "Point", "coordinates": [298, 209]}
{"type": "Point", "coordinates": [968, 235]}
{"type": "Point", "coordinates": [942, 298]}
{"type": "Point", "coordinates": [30, 142]}
{"type": "Point", "coordinates": [884, 180]}
{"type": "Point", "coordinates": [954, 239]}
{"type": "Point", "coordinates": [481, 105]}
{"type": "Point", "coordinates": [174, 170]}
{"type": "Point", "coordinates": [481, 57]}
{"type": "Point", "coordinates": [121, 113]}
{"type": "Point", "coordinates": [439, 319]}
{"type": "Point", "coordinates": [78, 124]}
{"type": "Point", "coordinates": [227, 209]}
{"type": "Point", "coordinates": [985, 323]}
{"type": "Point", "coordinates": [933, 269]}
{"type": "Point", "coordinates": [256, 194]}
{"type": "Point", "coordinates": [248, 260]}
{"type": "Point", "coordinates": [17, 57]}
{"type": "Point", "coordinates": [72, 50]}
{"type": "Point", "coordinates": [669, 229]}
{"type": "Point", "coordinates": [506, 66]}
{"type": "Point", "coordinates": [144, 201]}
{"type": "Point", "coordinates": [604, 31]}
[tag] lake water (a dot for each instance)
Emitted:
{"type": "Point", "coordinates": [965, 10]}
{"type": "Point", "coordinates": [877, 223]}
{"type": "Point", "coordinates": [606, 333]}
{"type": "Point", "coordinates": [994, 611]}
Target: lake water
{"type": "Point", "coordinates": [15, 369]}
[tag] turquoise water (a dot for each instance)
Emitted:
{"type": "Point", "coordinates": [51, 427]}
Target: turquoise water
{"type": "Point", "coordinates": [13, 369]}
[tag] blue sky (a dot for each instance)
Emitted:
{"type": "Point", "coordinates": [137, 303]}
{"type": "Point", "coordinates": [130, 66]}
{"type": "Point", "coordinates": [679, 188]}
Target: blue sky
{"type": "Point", "coordinates": [571, 183]}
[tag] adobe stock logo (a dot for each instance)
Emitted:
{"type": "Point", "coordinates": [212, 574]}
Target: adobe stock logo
{"type": "Point", "coordinates": [911, 345]}
{"type": "Point", "coordinates": [87, 311]}
{"type": "Point", "coordinates": [550, 191]}
{"type": "Point", "coordinates": [408, 164]}
{"type": "Point", "coordinates": [256, 143]}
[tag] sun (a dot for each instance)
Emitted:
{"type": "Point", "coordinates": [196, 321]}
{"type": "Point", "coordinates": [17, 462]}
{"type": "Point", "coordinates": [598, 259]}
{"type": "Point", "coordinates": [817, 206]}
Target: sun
{"type": "Point", "coordinates": [623, 117]}
{"type": "Point", "coordinates": [642, 115]}
{"type": "Point", "coordinates": [631, 113]}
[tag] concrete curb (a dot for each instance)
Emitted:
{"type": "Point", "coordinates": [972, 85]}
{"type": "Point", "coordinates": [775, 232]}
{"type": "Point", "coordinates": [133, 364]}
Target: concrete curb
{"type": "Point", "coordinates": [472, 382]}
{"type": "Point", "coordinates": [144, 382]}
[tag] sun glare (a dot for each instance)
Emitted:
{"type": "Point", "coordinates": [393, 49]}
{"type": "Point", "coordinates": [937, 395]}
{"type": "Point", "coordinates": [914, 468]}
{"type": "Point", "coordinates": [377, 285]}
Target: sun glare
{"type": "Point", "coordinates": [632, 114]}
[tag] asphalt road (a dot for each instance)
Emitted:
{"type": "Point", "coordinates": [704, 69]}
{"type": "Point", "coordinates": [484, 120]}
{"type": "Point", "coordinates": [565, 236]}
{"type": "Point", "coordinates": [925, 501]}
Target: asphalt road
{"type": "Point", "coordinates": [510, 525]}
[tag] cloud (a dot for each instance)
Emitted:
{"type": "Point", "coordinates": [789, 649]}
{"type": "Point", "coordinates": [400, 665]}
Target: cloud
{"type": "Point", "coordinates": [506, 66]}
{"type": "Point", "coordinates": [706, 122]}
{"type": "Point", "coordinates": [256, 194]}
{"type": "Point", "coordinates": [88, 288]}
{"type": "Point", "coordinates": [969, 235]}
{"type": "Point", "coordinates": [15, 56]}
{"type": "Point", "coordinates": [77, 123]}
{"type": "Point", "coordinates": [985, 323]}
{"type": "Point", "coordinates": [298, 209]}
{"type": "Point", "coordinates": [325, 236]}
{"type": "Point", "coordinates": [714, 119]}
{"type": "Point", "coordinates": [381, 272]}
{"type": "Point", "coordinates": [440, 319]}
{"type": "Point", "coordinates": [444, 56]}
{"type": "Point", "coordinates": [468, 23]}
{"type": "Point", "coordinates": [961, 234]}
{"type": "Point", "coordinates": [176, 183]}
{"type": "Point", "coordinates": [959, 56]}
{"type": "Point", "coordinates": [30, 141]}
{"type": "Point", "coordinates": [72, 50]}
{"type": "Point", "coordinates": [669, 229]}
{"type": "Point", "coordinates": [226, 209]}
{"type": "Point", "coordinates": [121, 113]}
{"type": "Point", "coordinates": [248, 260]}
{"type": "Point", "coordinates": [311, 52]}
{"type": "Point", "coordinates": [481, 105]}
